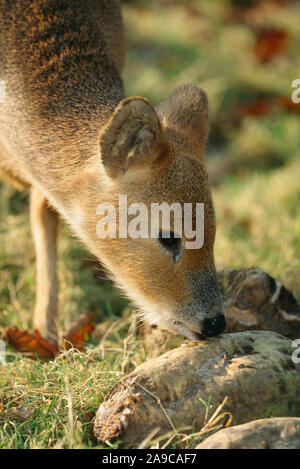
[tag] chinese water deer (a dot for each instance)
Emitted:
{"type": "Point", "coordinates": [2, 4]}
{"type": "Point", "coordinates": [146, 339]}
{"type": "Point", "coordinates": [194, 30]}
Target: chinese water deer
{"type": "Point", "coordinates": [68, 132]}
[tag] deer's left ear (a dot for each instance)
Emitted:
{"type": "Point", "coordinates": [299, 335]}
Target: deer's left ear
{"type": "Point", "coordinates": [186, 111]}
{"type": "Point", "coordinates": [132, 138]}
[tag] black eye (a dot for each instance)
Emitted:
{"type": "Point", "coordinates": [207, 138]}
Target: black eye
{"type": "Point", "coordinates": [172, 244]}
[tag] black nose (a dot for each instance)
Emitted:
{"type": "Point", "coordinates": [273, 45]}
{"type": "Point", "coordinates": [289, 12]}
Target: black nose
{"type": "Point", "coordinates": [214, 326]}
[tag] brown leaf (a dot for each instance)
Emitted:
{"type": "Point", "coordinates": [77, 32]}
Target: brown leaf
{"type": "Point", "coordinates": [33, 344]}
{"type": "Point", "coordinates": [79, 332]}
{"type": "Point", "coordinates": [30, 344]}
{"type": "Point", "coordinates": [20, 413]}
{"type": "Point", "coordinates": [259, 107]}
{"type": "Point", "coordinates": [269, 42]}
{"type": "Point", "coordinates": [287, 104]}
{"type": "Point", "coordinates": [264, 106]}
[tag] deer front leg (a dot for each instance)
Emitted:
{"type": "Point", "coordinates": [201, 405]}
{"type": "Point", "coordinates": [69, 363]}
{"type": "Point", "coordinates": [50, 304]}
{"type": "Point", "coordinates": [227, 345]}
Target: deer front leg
{"type": "Point", "coordinates": [44, 223]}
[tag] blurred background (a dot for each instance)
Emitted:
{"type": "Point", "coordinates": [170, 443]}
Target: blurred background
{"type": "Point", "coordinates": [245, 54]}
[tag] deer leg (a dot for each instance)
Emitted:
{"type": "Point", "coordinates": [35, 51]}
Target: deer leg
{"type": "Point", "coordinates": [44, 223]}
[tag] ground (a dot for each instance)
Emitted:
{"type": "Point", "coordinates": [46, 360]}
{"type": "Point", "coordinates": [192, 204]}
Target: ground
{"type": "Point", "coordinates": [253, 158]}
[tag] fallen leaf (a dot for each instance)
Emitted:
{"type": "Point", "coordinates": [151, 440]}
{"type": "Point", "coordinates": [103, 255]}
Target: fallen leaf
{"type": "Point", "coordinates": [269, 42]}
{"type": "Point", "coordinates": [259, 107]}
{"type": "Point", "coordinates": [79, 332]}
{"type": "Point", "coordinates": [31, 344]}
{"type": "Point", "coordinates": [20, 413]}
{"type": "Point", "coordinates": [264, 106]}
{"type": "Point", "coordinates": [287, 104]}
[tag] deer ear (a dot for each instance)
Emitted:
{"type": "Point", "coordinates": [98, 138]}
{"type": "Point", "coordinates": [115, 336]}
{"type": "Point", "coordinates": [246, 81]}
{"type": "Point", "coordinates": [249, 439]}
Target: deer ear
{"type": "Point", "coordinates": [132, 138]}
{"type": "Point", "coordinates": [186, 111]}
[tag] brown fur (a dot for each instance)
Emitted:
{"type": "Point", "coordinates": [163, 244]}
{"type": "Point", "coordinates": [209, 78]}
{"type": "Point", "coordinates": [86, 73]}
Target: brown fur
{"type": "Point", "coordinates": [67, 130]}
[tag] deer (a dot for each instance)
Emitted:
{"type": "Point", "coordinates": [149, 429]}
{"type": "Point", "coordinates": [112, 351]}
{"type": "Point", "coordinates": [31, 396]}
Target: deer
{"type": "Point", "coordinates": [70, 135]}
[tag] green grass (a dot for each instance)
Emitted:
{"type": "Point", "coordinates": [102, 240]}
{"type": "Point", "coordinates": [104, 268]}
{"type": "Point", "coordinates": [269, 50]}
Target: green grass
{"type": "Point", "coordinates": [43, 387]}
{"type": "Point", "coordinates": [258, 221]}
{"type": "Point", "coordinates": [83, 287]}
{"type": "Point", "coordinates": [257, 206]}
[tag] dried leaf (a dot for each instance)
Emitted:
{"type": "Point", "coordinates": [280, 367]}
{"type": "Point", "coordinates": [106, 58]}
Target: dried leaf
{"type": "Point", "coordinates": [260, 107]}
{"type": "Point", "coordinates": [269, 43]}
{"type": "Point", "coordinates": [33, 344]}
{"type": "Point", "coordinates": [79, 332]}
{"type": "Point", "coordinates": [264, 106]}
{"type": "Point", "coordinates": [30, 344]}
{"type": "Point", "coordinates": [20, 413]}
{"type": "Point", "coordinates": [287, 104]}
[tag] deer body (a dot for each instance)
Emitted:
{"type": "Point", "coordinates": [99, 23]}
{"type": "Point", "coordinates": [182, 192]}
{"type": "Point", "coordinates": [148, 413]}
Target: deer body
{"type": "Point", "coordinates": [68, 132]}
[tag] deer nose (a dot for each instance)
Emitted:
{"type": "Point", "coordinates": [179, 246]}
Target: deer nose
{"type": "Point", "coordinates": [214, 326]}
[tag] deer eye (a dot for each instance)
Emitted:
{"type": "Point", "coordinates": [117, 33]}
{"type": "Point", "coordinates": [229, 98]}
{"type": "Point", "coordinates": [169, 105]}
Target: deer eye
{"type": "Point", "coordinates": [171, 244]}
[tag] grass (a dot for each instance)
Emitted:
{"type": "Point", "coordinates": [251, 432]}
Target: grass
{"type": "Point", "coordinates": [259, 223]}
{"type": "Point", "coordinates": [62, 394]}
{"type": "Point", "coordinates": [257, 203]}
